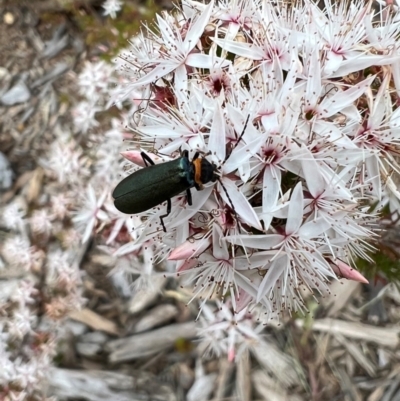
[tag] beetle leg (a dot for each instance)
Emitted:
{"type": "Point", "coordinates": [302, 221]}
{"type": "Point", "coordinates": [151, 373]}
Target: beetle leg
{"type": "Point", "coordinates": [189, 197]}
{"type": "Point", "coordinates": [166, 214]}
{"type": "Point", "coordinates": [146, 158]}
{"type": "Point", "coordinates": [196, 156]}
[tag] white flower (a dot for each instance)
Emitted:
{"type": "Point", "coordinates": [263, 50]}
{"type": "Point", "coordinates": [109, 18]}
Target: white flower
{"type": "Point", "coordinates": [27, 375]}
{"type": "Point", "coordinates": [59, 205]}
{"type": "Point", "coordinates": [17, 251]}
{"type": "Point", "coordinates": [379, 136]}
{"type": "Point", "coordinates": [25, 293]}
{"type": "Point", "coordinates": [14, 215]}
{"type": "Point", "coordinates": [108, 153]}
{"type": "Point", "coordinates": [225, 332]}
{"type": "Point", "coordinates": [95, 79]}
{"type": "Point", "coordinates": [22, 322]}
{"type": "Point", "coordinates": [175, 50]}
{"type": "Point", "coordinates": [294, 255]}
{"type": "Point", "coordinates": [111, 7]}
{"type": "Point", "coordinates": [269, 43]}
{"type": "Point", "coordinates": [41, 222]}
{"type": "Point", "coordinates": [65, 160]}
{"type": "Point", "coordinates": [91, 213]}
{"type": "Point", "coordinates": [84, 116]}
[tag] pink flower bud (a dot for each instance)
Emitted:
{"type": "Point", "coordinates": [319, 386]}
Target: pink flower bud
{"type": "Point", "coordinates": [344, 270]}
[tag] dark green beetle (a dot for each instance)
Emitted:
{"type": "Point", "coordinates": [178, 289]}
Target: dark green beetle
{"type": "Point", "coordinates": [157, 183]}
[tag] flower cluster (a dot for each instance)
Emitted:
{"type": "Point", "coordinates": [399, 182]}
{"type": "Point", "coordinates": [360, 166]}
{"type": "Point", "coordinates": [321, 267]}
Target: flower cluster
{"type": "Point", "coordinates": [31, 311]}
{"type": "Point", "coordinates": [238, 334]}
{"type": "Point", "coordinates": [296, 107]}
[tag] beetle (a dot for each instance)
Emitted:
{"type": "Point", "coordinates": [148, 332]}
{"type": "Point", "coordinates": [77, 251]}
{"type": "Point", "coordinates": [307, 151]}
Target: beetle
{"type": "Point", "coordinates": [157, 183]}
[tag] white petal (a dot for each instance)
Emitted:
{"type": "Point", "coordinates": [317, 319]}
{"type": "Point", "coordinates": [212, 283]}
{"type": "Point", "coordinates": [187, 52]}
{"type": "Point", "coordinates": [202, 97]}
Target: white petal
{"type": "Point", "coordinates": [244, 171]}
{"type": "Point", "coordinates": [266, 218]}
{"type": "Point", "coordinates": [241, 49]}
{"type": "Point", "coordinates": [240, 203]}
{"type": "Point", "coordinates": [197, 29]}
{"type": "Point", "coordinates": [295, 212]}
{"type": "Point", "coordinates": [288, 87]}
{"type": "Point", "coordinates": [217, 139]}
{"type": "Point", "coordinates": [220, 250]}
{"type": "Point", "coordinates": [198, 199]}
{"type": "Point", "coordinates": [164, 131]}
{"type": "Point", "coordinates": [313, 229]}
{"type": "Point", "coordinates": [313, 83]}
{"type": "Point", "coordinates": [270, 122]}
{"type": "Point", "coordinates": [127, 248]}
{"type": "Point", "coordinates": [333, 134]}
{"type": "Point", "coordinates": [341, 99]}
{"type": "Point", "coordinates": [156, 73]}
{"type": "Point", "coordinates": [182, 233]}
{"type": "Point", "coordinates": [267, 241]}
{"type": "Point", "coordinates": [115, 230]}
{"type": "Point", "coordinates": [379, 107]}
{"type": "Point", "coordinates": [199, 60]}
{"type": "Point", "coordinates": [255, 260]}
{"type": "Point", "coordinates": [332, 63]}
{"type": "Point", "coordinates": [273, 274]}
{"type": "Point", "coordinates": [238, 119]}
{"type": "Point", "coordinates": [181, 81]}
{"type": "Point", "coordinates": [168, 37]}
{"type": "Point", "coordinates": [242, 154]}
{"type": "Point", "coordinates": [92, 196]}
{"type": "Point", "coordinates": [362, 62]}
{"type": "Point", "coordinates": [88, 231]}
{"type": "Point", "coordinates": [352, 113]}
{"type": "Point", "coordinates": [246, 284]}
{"type": "Point", "coordinates": [315, 181]}
{"type": "Point", "coordinates": [374, 176]}
{"type": "Point", "coordinates": [271, 187]}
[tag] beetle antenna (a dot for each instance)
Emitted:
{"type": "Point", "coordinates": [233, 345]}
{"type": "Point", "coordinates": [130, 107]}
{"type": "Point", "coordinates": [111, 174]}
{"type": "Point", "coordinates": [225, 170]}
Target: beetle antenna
{"type": "Point", "coordinates": [231, 204]}
{"type": "Point", "coordinates": [226, 158]}
{"type": "Point", "coordinates": [240, 137]}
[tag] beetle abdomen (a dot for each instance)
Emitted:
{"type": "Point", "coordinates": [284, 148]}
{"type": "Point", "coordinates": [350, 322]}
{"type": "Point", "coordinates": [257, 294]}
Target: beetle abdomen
{"type": "Point", "coordinates": [150, 186]}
